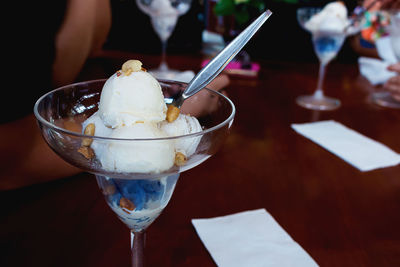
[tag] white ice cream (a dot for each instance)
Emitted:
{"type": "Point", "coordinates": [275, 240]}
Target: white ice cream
{"type": "Point", "coordinates": [129, 99]}
{"type": "Point", "coordinates": [183, 125]}
{"type": "Point", "coordinates": [101, 129]}
{"type": "Point", "coordinates": [132, 107]}
{"type": "Point", "coordinates": [332, 18]}
{"type": "Point", "coordinates": [138, 156]}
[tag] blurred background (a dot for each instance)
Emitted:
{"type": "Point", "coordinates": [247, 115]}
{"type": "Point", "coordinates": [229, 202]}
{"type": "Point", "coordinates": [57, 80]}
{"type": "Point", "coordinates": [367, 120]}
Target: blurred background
{"type": "Point", "coordinates": [280, 38]}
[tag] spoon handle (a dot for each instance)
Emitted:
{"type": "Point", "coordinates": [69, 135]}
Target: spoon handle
{"type": "Point", "coordinates": [218, 63]}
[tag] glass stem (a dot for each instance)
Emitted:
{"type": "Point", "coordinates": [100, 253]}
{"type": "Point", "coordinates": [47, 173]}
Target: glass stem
{"type": "Point", "coordinates": [163, 65]}
{"type": "Point", "coordinates": [138, 249]}
{"type": "Point", "coordinates": [319, 93]}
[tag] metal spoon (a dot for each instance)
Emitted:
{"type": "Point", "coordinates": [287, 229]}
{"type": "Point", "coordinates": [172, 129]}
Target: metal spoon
{"type": "Point", "coordinates": [216, 65]}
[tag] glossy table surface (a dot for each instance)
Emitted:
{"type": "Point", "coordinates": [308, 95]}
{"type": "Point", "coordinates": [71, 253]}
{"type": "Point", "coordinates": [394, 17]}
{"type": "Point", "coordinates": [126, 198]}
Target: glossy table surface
{"type": "Point", "coordinates": [339, 215]}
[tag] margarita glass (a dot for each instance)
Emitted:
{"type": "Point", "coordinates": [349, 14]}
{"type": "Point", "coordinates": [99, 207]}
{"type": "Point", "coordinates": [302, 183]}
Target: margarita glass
{"type": "Point", "coordinates": [385, 98]}
{"type": "Point", "coordinates": [136, 198]}
{"type": "Point", "coordinates": [326, 45]}
{"type": "Point", "coordinates": [164, 16]}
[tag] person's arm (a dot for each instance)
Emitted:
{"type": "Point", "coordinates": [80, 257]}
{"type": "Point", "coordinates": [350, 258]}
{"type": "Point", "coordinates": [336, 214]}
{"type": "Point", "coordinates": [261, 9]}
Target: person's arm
{"type": "Point", "coordinates": [355, 43]}
{"type": "Point", "coordinates": [25, 157]}
{"type": "Point", "coordinates": [202, 102]}
{"type": "Point", "coordinates": [83, 32]}
{"type": "Point", "coordinates": [219, 83]}
{"type": "Point", "coordinates": [393, 84]}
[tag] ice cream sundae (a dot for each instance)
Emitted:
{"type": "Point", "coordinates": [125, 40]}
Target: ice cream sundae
{"type": "Point", "coordinates": [117, 129]}
{"type": "Point", "coordinates": [328, 28]}
{"type": "Point", "coordinates": [332, 18]}
{"type": "Point", "coordinates": [132, 107]}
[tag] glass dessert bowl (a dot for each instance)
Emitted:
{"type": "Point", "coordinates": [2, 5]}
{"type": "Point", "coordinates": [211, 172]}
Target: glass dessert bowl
{"type": "Point", "coordinates": [329, 27]}
{"type": "Point", "coordinates": [137, 197]}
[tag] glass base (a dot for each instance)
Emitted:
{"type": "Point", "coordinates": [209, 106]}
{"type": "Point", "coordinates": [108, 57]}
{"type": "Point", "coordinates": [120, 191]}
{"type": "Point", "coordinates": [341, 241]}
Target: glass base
{"type": "Point", "coordinates": [318, 103]}
{"type": "Point", "coordinates": [385, 99]}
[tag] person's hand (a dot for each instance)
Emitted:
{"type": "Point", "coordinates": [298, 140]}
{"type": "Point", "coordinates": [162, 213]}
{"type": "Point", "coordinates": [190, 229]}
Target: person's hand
{"type": "Point", "coordinates": [203, 102]}
{"type": "Point", "coordinates": [393, 84]}
{"type": "Point", "coordinates": [219, 83]}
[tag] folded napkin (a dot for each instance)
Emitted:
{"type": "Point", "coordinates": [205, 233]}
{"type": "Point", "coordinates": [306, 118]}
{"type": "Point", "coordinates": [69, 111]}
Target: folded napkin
{"type": "Point", "coordinates": [385, 50]}
{"type": "Point", "coordinates": [250, 238]}
{"type": "Point", "coordinates": [375, 70]}
{"type": "Point", "coordinates": [356, 149]}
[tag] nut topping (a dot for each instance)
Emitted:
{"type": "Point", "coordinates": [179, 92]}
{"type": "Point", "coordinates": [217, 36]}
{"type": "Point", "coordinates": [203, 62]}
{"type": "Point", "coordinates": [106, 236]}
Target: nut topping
{"type": "Point", "coordinates": [89, 130]}
{"type": "Point", "coordinates": [86, 151]}
{"type": "Point", "coordinates": [172, 113]}
{"type": "Point", "coordinates": [130, 66]}
{"type": "Point", "coordinates": [180, 159]}
{"type": "Point", "coordinates": [126, 204]}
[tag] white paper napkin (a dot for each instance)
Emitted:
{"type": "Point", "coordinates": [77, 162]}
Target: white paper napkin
{"type": "Point", "coordinates": [250, 238]}
{"type": "Point", "coordinates": [375, 70]}
{"type": "Point", "coordinates": [385, 49]}
{"type": "Point", "coordinates": [356, 149]}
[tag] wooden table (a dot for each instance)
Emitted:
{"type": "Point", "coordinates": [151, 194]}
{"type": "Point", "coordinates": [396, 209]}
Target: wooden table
{"type": "Point", "coordinates": [339, 215]}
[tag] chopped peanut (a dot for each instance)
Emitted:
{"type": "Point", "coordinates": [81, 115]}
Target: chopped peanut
{"type": "Point", "coordinates": [86, 151]}
{"type": "Point", "coordinates": [89, 130]}
{"type": "Point", "coordinates": [172, 113]}
{"type": "Point", "coordinates": [125, 203]}
{"type": "Point", "coordinates": [180, 159]}
{"type": "Point", "coordinates": [130, 66]}
{"type": "Point", "coordinates": [128, 72]}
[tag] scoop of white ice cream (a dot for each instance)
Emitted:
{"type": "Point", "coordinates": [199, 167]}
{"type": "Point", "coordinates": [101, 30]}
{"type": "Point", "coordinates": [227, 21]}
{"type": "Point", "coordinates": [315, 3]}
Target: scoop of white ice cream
{"type": "Point", "coordinates": [142, 156]}
{"type": "Point", "coordinates": [183, 125]}
{"type": "Point", "coordinates": [333, 17]}
{"type": "Point", "coordinates": [127, 99]}
{"type": "Point", "coordinates": [100, 128]}
{"type": "Point", "coordinates": [132, 107]}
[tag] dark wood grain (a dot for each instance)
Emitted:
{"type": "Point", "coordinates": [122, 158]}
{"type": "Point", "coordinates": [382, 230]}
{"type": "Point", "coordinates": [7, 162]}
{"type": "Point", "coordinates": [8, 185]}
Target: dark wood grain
{"type": "Point", "coordinates": [339, 215]}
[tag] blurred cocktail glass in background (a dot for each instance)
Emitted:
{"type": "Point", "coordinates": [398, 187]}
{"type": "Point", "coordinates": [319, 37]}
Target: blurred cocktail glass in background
{"type": "Point", "coordinates": [164, 15]}
{"type": "Point", "coordinates": [327, 42]}
{"type": "Point", "coordinates": [385, 99]}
